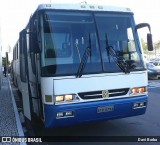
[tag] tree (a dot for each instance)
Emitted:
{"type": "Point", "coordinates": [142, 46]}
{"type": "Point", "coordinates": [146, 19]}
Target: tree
{"type": "Point", "coordinates": [4, 61]}
{"type": "Point", "coordinates": [157, 47]}
{"type": "Point", "coordinates": [157, 44]}
{"type": "Point", "coordinates": [144, 45]}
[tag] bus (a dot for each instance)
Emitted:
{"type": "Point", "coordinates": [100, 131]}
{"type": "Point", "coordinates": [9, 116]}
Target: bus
{"type": "Point", "coordinates": [79, 63]}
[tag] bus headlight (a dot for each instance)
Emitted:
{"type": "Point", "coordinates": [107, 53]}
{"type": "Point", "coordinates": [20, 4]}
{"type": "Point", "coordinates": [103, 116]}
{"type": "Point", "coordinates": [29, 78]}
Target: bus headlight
{"type": "Point", "coordinates": [138, 90]}
{"type": "Point", "coordinates": [59, 98]}
{"type": "Point", "coordinates": [68, 97]}
{"type": "Point", "coordinates": [65, 98]}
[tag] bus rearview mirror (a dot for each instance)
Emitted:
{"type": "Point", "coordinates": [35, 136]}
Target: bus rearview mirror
{"type": "Point", "coordinates": [149, 42]}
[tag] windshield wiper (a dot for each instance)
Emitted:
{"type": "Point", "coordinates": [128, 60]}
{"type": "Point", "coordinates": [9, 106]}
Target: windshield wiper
{"type": "Point", "coordinates": [84, 59]}
{"type": "Point", "coordinates": [120, 61]}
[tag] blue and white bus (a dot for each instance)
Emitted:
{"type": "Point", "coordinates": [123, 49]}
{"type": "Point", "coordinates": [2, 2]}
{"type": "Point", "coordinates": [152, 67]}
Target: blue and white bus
{"type": "Point", "coordinates": [82, 63]}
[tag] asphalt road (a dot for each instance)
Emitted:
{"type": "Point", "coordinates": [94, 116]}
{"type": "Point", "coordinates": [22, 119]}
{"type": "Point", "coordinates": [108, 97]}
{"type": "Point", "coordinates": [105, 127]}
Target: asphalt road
{"type": "Point", "coordinates": [143, 125]}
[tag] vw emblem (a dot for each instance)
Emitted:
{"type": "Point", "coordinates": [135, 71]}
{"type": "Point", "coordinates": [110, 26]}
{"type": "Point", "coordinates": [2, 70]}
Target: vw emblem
{"type": "Point", "coordinates": [105, 94]}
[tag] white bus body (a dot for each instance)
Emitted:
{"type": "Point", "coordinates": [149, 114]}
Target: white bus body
{"type": "Point", "coordinates": [80, 63]}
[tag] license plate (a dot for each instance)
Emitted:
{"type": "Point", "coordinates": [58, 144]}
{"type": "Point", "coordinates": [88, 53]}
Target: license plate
{"type": "Point", "coordinates": [105, 109]}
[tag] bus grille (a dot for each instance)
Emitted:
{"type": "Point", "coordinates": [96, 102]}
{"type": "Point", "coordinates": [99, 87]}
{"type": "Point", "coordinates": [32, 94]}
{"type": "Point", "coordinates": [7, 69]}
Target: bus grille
{"type": "Point", "coordinates": [98, 94]}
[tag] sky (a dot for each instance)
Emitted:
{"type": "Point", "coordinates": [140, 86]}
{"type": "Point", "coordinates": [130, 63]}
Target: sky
{"type": "Point", "coordinates": [14, 15]}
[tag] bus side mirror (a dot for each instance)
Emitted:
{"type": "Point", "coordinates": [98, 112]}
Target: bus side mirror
{"type": "Point", "coordinates": [149, 42]}
{"type": "Point", "coordinates": [149, 35]}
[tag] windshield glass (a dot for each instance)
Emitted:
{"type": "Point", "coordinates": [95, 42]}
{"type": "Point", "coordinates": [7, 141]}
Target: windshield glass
{"type": "Point", "coordinates": [67, 35]}
{"type": "Point", "coordinates": [117, 29]}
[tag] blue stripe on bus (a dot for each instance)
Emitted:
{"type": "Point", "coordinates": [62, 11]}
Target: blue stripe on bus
{"type": "Point", "coordinates": [86, 112]}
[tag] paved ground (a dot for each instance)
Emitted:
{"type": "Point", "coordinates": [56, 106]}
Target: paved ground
{"type": "Point", "coordinates": [10, 125]}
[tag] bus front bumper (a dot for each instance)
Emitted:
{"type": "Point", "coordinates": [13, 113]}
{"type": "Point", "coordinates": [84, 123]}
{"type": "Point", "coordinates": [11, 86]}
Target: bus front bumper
{"type": "Point", "coordinates": [72, 114]}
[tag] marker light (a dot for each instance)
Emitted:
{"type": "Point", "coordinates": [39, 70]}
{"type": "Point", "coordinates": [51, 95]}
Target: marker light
{"type": "Point", "coordinates": [48, 5]}
{"type": "Point", "coordinates": [100, 7]}
{"type": "Point", "coordinates": [91, 7]}
{"type": "Point", "coordinates": [83, 6]}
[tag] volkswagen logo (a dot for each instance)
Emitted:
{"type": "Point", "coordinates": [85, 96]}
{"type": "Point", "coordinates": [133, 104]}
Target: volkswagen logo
{"type": "Point", "coordinates": [105, 94]}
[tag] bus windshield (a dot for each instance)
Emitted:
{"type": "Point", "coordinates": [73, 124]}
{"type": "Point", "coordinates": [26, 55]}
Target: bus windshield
{"type": "Point", "coordinates": [66, 35]}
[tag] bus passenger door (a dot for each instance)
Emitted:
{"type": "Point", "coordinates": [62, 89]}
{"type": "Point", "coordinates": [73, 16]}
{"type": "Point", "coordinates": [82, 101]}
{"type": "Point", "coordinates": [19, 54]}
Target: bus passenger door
{"type": "Point", "coordinates": [24, 75]}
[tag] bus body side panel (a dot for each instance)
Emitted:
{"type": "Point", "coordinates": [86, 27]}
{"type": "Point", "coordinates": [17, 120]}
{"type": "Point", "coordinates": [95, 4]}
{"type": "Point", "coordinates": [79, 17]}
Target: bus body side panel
{"type": "Point", "coordinates": [86, 112]}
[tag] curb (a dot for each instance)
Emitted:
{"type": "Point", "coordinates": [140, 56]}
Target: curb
{"type": "Point", "coordinates": [18, 123]}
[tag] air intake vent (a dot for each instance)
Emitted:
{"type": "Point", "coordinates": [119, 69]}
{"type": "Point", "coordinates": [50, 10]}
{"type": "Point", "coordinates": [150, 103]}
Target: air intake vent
{"type": "Point", "coordinates": [98, 94]}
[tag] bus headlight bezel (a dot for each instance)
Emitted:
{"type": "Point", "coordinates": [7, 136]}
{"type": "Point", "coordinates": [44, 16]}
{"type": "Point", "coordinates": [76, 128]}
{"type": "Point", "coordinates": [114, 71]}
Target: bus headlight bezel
{"type": "Point", "coordinates": [65, 98]}
{"type": "Point", "coordinates": [138, 90]}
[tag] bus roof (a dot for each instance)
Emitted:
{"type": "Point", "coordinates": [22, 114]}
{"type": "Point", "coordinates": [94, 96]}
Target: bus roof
{"type": "Point", "coordinates": [87, 7]}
